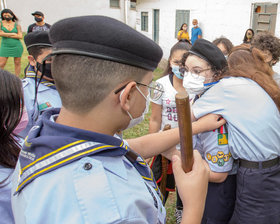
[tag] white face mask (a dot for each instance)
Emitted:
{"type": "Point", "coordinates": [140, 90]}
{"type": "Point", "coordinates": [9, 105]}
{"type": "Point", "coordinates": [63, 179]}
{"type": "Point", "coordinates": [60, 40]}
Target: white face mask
{"type": "Point", "coordinates": [194, 84]}
{"type": "Point", "coordinates": [137, 120]}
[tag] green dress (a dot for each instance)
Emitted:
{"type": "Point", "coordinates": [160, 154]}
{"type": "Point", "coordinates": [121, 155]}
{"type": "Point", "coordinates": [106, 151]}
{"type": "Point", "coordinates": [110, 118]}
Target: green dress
{"type": "Point", "coordinates": [10, 47]}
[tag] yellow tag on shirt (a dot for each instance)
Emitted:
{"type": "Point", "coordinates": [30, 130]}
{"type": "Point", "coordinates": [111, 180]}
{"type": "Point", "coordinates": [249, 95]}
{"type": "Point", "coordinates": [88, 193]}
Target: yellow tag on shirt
{"type": "Point", "coordinates": [223, 139]}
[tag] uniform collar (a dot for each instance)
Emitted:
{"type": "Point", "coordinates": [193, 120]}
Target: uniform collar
{"type": "Point", "coordinates": [30, 73]}
{"type": "Point", "coordinates": [51, 128]}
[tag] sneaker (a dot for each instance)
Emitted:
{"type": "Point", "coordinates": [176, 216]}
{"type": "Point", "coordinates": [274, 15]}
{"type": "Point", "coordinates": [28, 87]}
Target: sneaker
{"type": "Point", "coordinates": [178, 215]}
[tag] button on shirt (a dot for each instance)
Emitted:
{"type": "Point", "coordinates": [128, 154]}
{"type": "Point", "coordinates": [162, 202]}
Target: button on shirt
{"type": "Point", "coordinates": [252, 116]}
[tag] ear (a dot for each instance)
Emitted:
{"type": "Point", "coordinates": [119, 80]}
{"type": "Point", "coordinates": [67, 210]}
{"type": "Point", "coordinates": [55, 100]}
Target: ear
{"type": "Point", "coordinates": [31, 60]}
{"type": "Point", "coordinates": [127, 92]}
{"type": "Point", "coordinates": [267, 56]}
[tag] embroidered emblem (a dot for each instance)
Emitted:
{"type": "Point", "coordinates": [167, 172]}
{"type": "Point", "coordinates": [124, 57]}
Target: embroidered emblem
{"type": "Point", "coordinates": [220, 154]}
{"type": "Point", "coordinates": [209, 156]}
{"type": "Point", "coordinates": [214, 159]}
{"type": "Point", "coordinates": [223, 139]}
{"type": "Point", "coordinates": [221, 158]}
{"type": "Point", "coordinates": [44, 106]}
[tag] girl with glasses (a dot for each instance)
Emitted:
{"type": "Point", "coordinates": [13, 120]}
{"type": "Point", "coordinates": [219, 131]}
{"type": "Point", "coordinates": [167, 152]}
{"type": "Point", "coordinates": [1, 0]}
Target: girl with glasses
{"type": "Point", "coordinates": [248, 98]}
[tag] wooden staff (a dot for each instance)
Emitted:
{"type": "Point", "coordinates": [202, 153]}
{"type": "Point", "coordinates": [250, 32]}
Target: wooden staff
{"type": "Point", "coordinates": [164, 167]}
{"type": "Point", "coordinates": [185, 129]}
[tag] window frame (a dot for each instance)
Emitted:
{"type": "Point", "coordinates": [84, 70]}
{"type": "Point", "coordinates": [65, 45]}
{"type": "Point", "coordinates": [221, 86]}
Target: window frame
{"type": "Point", "coordinates": [116, 7]}
{"type": "Point", "coordinates": [133, 1]}
{"type": "Point", "coordinates": [145, 21]}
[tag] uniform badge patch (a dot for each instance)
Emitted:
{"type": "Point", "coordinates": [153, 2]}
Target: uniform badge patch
{"type": "Point", "coordinates": [44, 106]}
{"type": "Point", "coordinates": [223, 139]}
{"type": "Point", "coordinates": [220, 158]}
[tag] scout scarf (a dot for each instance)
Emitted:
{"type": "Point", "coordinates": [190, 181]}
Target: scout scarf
{"type": "Point", "coordinates": [49, 146]}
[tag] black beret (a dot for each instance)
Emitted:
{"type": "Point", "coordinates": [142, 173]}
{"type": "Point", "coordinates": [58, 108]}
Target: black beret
{"type": "Point", "coordinates": [40, 38]}
{"type": "Point", "coordinates": [105, 38]}
{"type": "Point", "coordinates": [210, 53]}
{"type": "Point", "coordinates": [37, 13]}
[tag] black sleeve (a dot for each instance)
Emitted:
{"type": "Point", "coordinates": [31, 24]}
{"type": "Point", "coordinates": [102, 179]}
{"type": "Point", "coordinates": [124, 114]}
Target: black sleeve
{"type": "Point", "coordinates": [29, 30]}
{"type": "Point", "coordinates": [48, 25]}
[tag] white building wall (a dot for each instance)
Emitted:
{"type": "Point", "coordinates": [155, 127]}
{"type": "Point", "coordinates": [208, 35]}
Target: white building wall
{"type": "Point", "coordinates": [230, 18]}
{"type": "Point", "coordinates": [55, 10]}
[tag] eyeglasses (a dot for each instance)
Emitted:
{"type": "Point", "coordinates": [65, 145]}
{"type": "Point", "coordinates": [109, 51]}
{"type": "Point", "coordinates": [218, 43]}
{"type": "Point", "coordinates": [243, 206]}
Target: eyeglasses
{"type": "Point", "coordinates": [196, 72]}
{"type": "Point", "coordinates": [155, 89]}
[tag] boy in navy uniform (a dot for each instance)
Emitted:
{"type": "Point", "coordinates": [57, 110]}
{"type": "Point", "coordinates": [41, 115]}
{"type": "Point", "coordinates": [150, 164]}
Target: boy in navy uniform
{"type": "Point", "coordinates": [38, 46]}
{"type": "Point", "coordinates": [71, 168]}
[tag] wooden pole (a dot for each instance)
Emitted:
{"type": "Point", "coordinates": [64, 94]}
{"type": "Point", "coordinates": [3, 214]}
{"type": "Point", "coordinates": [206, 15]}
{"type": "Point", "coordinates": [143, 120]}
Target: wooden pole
{"type": "Point", "coordinates": [185, 129]}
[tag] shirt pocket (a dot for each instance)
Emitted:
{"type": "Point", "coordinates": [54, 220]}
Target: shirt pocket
{"type": "Point", "coordinates": [94, 194]}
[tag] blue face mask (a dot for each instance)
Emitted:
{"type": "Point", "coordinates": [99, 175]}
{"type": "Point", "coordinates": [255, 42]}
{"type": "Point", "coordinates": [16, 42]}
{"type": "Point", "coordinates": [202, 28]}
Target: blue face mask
{"type": "Point", "coordinates": [176, 71]}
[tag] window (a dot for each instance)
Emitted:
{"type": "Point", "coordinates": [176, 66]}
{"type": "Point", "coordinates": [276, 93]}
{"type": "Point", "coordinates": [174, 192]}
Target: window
{"type": "Point", "coordinates": [132, 4]}
{"type": "Point", "coordinates": [115, 3]}
{"type": "Point", "coordinates": [144, 21]}
{"type": "Point", "coordinates": [182, 16]}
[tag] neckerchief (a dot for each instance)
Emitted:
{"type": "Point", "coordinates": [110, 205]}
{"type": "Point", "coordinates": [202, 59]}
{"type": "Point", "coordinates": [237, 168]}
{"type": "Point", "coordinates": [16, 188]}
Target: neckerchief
{"type": "Point", "coordinates": [50, 145]}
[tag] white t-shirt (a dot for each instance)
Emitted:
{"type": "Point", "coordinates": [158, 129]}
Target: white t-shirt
{"type": "Point", "coordinates": [167, 101]}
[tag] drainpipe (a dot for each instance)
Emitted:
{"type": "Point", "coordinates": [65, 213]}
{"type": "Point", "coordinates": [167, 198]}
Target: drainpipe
{"type": "Point", "coordinates": [126, 11]}
{"type": "Point", "coordinates": [2, 5]}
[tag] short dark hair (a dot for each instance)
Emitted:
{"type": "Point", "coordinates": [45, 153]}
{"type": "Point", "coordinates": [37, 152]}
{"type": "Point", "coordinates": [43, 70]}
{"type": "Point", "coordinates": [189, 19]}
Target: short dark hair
{"type": "Point", "coordinates": [266, 41]}
{"type": "Point", "coordinates": [11, 106]}
{"type": "Point", "coordinates": [36, 51]}
{"type": "Point", "coordinates": [225, 41]}
{"type": "Point", "coordinates": [83, 82]}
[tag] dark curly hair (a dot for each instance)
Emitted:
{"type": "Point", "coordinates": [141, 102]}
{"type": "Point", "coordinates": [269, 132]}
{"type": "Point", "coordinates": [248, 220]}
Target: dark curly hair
{"type": "Point", "coordinates": [265, 41]}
